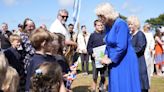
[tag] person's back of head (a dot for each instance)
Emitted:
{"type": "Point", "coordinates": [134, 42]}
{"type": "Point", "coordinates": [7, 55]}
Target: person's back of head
{"type": "Point", "coordinates": [3, 68]}
{"type": "Point", "coordinates": [11, 81]}
{"type": "Point", "coordinates": [52, 47]}
{"type": "Point", "coordinates": [39, 38]}
{"type": "Point", "coordinates": [47, 78]}
{"type": "Point", "coordinates": [61, 40]}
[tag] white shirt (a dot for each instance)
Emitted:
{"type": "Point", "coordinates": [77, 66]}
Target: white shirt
{"type": "Point", "coordinates": [150, 44]}
{"type": "Point", "coordinates": [57, 27]}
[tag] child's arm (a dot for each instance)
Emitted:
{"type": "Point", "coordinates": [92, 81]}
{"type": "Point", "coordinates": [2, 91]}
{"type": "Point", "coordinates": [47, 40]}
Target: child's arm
{"type": "Point", "coordinates": [62, 88]}
{"type": "Point", "coordinates": [66, 75]}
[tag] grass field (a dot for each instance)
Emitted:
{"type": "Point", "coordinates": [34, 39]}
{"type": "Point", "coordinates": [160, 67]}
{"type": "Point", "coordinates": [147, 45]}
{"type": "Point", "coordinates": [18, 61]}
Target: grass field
{"type": "Point", "coordinates": [83, 83]}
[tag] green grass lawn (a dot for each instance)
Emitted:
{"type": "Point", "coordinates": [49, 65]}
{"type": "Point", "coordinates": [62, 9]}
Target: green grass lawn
{"type": "Point", "coordinates": [84, 83]}
{"type": "Point", "coordinates": [157, 84]}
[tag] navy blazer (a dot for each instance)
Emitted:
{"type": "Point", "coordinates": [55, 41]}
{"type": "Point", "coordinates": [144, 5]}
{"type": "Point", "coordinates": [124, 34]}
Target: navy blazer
{"type": "Point", "coordinates": [15, 59]}
{"type": "Point", "coordinates": [139, 44]}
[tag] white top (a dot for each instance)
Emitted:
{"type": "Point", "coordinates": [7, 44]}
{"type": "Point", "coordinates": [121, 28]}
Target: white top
{"type": "Point", "coordinates": [57, 27]}
{"type": "Point", "coordinates": [150, 44]}
{"type": "Point", "coordinates": [82, 46]}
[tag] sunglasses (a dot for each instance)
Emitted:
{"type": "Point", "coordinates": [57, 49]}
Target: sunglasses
{"type": "Point", "coordinates": [64, 17]}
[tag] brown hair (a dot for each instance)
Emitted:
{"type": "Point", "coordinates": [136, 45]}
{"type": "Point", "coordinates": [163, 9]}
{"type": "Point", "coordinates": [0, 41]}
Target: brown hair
{"type": "Point", "coordinates": [25, 24]}
{"type": "Point", "coordinates": [95, 22]}
{"type": "Point", "coordinates": [38, 37]}
{"type": "Point", "coordinates": [47, 78]}
{"type": "Point", "coordinates": [158, 33]}
{"type": "Point", "coordinates": [53, 46]}
{"type": "Point", "coordinates": [61, 38]}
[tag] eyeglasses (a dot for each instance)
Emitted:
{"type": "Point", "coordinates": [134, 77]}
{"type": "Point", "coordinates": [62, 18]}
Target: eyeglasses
{"type": "Point", "coordinates": [64, 17]}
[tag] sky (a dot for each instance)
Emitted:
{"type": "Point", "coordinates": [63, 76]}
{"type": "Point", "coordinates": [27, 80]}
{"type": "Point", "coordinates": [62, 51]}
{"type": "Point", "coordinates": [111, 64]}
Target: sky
{"type": "Point", "coordinates": [14, 12]}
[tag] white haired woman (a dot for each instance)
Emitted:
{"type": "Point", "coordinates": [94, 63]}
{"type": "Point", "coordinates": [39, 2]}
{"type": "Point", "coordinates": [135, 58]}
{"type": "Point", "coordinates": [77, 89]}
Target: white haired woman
{"type": "Point", "coordinates": [139, 43]}
{"type": "Point", "coordinates": [119, 54]}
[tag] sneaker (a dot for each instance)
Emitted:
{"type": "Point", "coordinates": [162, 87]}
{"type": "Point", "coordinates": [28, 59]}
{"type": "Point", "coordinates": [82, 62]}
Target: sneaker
{"type": "Point", "coordinates": [85, 74]}
{"type": "Point", "coordinates": [101, 88]}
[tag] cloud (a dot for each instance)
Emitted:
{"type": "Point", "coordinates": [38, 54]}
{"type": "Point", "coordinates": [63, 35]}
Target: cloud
{"type": "Point", "coordinates": [43, 19]}
{"type": "Point", "coordinates": [131, 8]}
{"type": "Point", "coordinates": [10, 2]}
{"type": "Point", "coordinates": [135, 10]}
{"type": "Point", "coordinates": [66, 3]}
{"type": "Point", "coordinates": [125, 5]}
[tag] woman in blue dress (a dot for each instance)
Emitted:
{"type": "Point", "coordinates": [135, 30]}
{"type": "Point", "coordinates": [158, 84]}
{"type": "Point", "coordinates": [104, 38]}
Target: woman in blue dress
{"type": "Point", "coordinates": [119, 54]}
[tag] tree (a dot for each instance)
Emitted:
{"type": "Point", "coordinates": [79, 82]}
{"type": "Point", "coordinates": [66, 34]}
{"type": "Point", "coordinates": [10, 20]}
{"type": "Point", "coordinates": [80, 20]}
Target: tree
{"type": "Point", "coordinates": [156, 22]}
{"type": "Point", "coordinates": [123, 17]}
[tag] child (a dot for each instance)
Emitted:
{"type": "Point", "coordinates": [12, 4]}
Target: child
{"type": "Point", "coordinates": [69, 73]}
{"type": "Point", "coordinates": [52, 48]}
{"type": "Point", "coordinates": [48, 78]}
{"type": "Point", "coordinates": [39, 40]}
{"type": "Point", "coordinates": [95, 40]}
{"type": "Point", "coordinates": [3, 69]}
{"type": "Point", "coordinates": [15, 59]}
{"type": "Point", "coordinates": [12, 54]}
{"type": "Point", "coordinates": [11, 81]}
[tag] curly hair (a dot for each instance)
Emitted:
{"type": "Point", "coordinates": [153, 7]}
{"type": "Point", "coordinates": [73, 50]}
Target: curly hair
{"type": "Point", "coordinates": [47, 78]}
{"type": "Point", "coordinates": [107, 10]}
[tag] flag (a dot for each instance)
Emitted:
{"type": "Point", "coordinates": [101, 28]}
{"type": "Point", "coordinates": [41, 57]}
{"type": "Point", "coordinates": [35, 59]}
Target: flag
{"type": "Point", "coordinates": [76, 12]}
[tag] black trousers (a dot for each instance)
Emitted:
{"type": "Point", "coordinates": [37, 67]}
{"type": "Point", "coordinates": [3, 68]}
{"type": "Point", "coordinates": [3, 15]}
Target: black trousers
{"type": "Point", "coordinates": [85, 62]}
{"type": "Point", "coordinates": [95, 72]}
{"type": "Point", "coordinates": [144, 90]}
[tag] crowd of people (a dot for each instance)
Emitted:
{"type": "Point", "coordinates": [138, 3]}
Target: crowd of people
{"type": "Point", "coordinates": [37, 59]}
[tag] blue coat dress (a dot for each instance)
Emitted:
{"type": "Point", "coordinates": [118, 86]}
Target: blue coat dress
{"type": "Point", "coordinates": [123, 71]}
{"type": "Point", "coordinates": [139, 44]}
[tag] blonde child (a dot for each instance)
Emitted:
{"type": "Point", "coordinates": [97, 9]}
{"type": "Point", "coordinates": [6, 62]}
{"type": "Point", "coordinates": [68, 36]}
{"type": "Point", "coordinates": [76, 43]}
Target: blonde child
{"type": "Point", "coordinates": [3, 68]}
{"type": "Point", "coordinates": [11, 80]}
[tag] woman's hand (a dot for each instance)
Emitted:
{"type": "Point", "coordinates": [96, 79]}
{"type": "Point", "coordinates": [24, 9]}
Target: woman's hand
{"type": "Point", "coordinates": [106, 60]}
